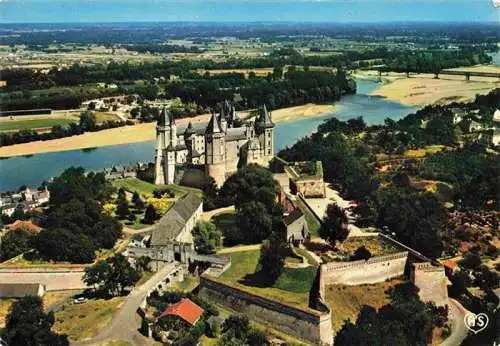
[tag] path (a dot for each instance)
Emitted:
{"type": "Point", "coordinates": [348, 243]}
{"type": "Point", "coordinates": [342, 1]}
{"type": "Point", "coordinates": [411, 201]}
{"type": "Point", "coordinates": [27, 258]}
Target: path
{"type": "Point", "coordinates": [458, 329]}
{"type": "Point", "coordinates": [124, 326]}
{"type": "Point", "coordinates": [208, 215]}
{"type": "Point", "coordinates": [239, 248]}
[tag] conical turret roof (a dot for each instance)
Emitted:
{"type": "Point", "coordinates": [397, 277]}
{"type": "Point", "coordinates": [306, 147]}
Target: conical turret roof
{"type": "Point", "coordinates": [213, 125]}
{"type": "Point", "coordinates": [265, 118]}
{"type": "Point", "coordinates": [166, 117]}
{"type": "Point", "coordinates": [189, 130]}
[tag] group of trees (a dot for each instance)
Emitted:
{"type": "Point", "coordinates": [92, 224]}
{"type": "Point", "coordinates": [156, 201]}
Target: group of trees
{"type": "Point", "coordinates": [405, 321]}
{"type": "Point", "coordinates": [75, 225]}
{"type": "Point", "coordinates": [237, 331]}
{"type": "Point", "coordinates": [343, 164]}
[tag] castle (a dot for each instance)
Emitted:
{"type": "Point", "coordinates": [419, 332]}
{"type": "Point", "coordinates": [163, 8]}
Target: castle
{"type": "Point", "coordinates": [220, 146]}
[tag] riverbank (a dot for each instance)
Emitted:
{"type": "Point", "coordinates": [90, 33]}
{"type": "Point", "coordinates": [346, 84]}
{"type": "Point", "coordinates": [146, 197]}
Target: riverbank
{"type": "Point", "coordinates": [423, 89]}
{"type": "Point", "coordinates": [142, 132]}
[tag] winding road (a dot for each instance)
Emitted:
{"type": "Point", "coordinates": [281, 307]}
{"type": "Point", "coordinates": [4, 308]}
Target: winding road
{"type": "Point", "coordinates": [124, 325]}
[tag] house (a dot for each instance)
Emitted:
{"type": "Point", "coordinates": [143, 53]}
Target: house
{"type": "Point", "coordinates": [297, 230]}
{"type": "Point", "coordinates": [186, 310]}
{"type": "Point", "coordinates": [458, 115]}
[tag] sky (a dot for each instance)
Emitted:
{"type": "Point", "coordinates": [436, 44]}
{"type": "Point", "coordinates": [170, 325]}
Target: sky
{"type": "Point", "coordinates": [78, 11]}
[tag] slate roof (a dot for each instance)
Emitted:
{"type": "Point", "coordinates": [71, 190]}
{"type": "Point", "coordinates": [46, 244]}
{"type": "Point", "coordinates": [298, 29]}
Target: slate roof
{"type": "Point", "coordinates": [213, 125]}
{"type": "Point", "coordinates": [292, 217]}
{"type": "Point", "coordinates": [172, 223]}
{"type": "Point", "coordinates": [235, 134]}
{"type": "Point", "coordinates": [186, 310]}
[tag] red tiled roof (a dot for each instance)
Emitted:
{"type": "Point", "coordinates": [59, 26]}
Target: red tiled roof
{"type": "Point", "coordinates": [26, 225]}
{"type": "Point", "coordinates": [185, 309]}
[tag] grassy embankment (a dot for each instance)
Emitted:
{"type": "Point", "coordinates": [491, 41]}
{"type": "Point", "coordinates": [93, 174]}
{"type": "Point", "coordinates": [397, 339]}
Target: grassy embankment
{"type": "Point", "coordinates": [346, 301]}
{"type": "Point", "coordinates": [81, 321]}
{"type": "Point", "coordinates": [292, 287]}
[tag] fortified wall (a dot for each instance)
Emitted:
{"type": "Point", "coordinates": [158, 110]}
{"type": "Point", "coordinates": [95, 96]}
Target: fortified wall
{"type": "Point", "coordinates": [431, 281]}
{"type": "Point", "coordinates": [53, 279]}
{"type": "Point", "coordinates": [306, 324]}
{"type": "Point", "coordinates": [373, 270]}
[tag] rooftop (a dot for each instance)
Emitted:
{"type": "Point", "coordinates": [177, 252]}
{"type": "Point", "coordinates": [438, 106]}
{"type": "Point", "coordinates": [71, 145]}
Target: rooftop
{"type": "Point", "coordinates": [186, 310]}
{"type": "Point", "coordinates": [172, 223]}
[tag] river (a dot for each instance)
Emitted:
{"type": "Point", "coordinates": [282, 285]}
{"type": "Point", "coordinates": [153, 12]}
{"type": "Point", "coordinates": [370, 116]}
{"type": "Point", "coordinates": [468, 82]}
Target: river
{"type": "Point", "coordinates": [32, 170]}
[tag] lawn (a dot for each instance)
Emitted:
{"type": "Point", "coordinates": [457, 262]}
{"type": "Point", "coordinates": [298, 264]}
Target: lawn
{"type": "Point", "coordinates": [80, 321]}
{"type": "Point", "coordinates": [346, 301]}
{"type": "Point", "coordinates": [16, 125]}
{"type": "Point", "coordinates": [312, 221]}
{"type": "Point", "coordinates": [145, 188]}
{"type": "Point", "coordinates": [292, 287]}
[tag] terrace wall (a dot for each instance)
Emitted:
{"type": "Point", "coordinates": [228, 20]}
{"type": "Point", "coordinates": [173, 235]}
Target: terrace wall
{"type": "Point", "coordinates": [306, 324]}
{"type": "Point", "coordinates": [53, 279]}
{"type": "Point", "coordinates": [376, 269]}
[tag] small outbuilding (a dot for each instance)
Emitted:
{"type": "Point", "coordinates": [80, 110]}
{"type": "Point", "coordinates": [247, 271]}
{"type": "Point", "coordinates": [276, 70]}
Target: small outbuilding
{"type": "Point", "coordinates": [186, 310]}
{"type": "Point", "coordinates": [297, 230]}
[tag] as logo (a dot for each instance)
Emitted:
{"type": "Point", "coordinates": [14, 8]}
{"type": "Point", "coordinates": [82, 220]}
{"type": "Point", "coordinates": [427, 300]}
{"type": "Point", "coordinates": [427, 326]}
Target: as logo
{"type": "Point", "coordinates": [476, 323]}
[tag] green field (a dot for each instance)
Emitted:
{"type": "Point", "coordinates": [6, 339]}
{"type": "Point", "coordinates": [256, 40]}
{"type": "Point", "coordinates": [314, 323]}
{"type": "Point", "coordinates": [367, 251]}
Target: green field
{"type": "Point", "coordinates": [16, 125]}
{"type": "Point", "coordinates": [146, 189]}
{"type": "Point", "coordinates": [292, 287]}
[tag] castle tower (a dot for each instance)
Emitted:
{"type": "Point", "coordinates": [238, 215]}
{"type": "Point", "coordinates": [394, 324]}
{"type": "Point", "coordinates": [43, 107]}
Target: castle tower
{"type": "Point", "coordinates": [215, 149]}
{"type": "Point", "coordinates": [223, 123]}
{"type": "Point", "coordinates": [162, 134]}
{"type": "Point", "coordinates": [265, 129]}
{"type": "Point", "coordinates": [170, 165]}
{"type": "Point", "coordinates": [189, 140]}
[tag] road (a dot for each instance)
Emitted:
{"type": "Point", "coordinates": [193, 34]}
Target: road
{"type": "Point", "coordinates": [123, 326]}
{"type": "Point", "coordinates": [458, 329]}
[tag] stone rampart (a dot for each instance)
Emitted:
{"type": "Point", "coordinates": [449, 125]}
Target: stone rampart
{"type": "Point", "coordinates": [53, 279]}
{"type": "Point", "coordinates": [431, 281]}
{"type": "Point", "coordinates": [373, 270]}
{"type": "Point", "coordinates": [306, 324]}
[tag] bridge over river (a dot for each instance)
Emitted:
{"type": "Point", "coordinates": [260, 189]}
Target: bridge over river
{"type": "Point", "coordinates": [465, 73]}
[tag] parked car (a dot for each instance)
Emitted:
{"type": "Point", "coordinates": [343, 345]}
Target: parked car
{"type": "Point", "coordinates": [79, 300]}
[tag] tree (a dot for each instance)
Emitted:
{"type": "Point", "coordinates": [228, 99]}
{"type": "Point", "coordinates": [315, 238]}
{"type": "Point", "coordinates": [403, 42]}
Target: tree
{"type": "Point", "coordinates": [122, 210]}
{"type": "Point", "coordinates": [206, 237]}
{"type": "Point", "coordinates": [88, 121]}
{"type": "Point", "coordinates": [334, 227]}
{"type": "Point", "coordinates": [254, 222]}
{"type": "Point", "coordinates": [111, 276]}
{"type": "Point", "coordinates": [150, 215]}
{"type": "Point", "coordinates": [210, 194]}
{"type": "Point", "coordinates": [27, 324]}
{"type": "Point", "coordinates": [237, 325]}
{"type": "Point", "coordinates": [361, 253]}
{"type": "Point", "coordinates": [273, 253]}
{"type": "Point", "coordinates": [14, 243]}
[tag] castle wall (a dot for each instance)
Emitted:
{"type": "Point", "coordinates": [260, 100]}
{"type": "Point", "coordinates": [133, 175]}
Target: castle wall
{"type": "Point", "coordinates": [431, 282]}
{"type": "Point", "coordinates": [306, 324]}
{"type": "Point", "coordinates": [376, 269]}
{"type": "Point", "coordinates": [314, 187]}
{"type": "Point", "coordinates": [53, 279]}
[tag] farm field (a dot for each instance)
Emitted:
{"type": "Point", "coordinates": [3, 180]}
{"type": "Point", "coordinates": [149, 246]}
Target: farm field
{"type": "Point", "coordinates": [31, 124]}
